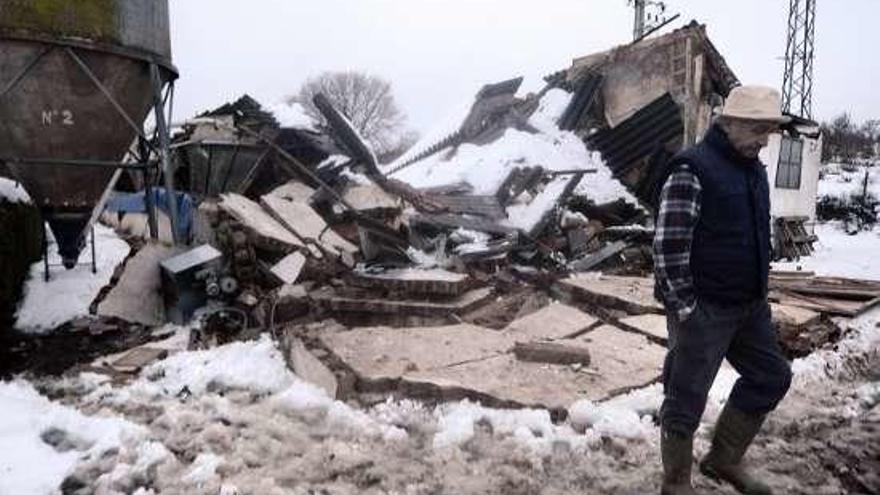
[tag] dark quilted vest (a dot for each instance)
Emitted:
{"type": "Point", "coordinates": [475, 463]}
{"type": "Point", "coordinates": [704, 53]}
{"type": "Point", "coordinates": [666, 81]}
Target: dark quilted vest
{"type": "Point", "coordinates": [730, 254]}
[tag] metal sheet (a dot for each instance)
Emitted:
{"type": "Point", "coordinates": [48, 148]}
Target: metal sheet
{"type": "Point", "coordinates": [628, 146]}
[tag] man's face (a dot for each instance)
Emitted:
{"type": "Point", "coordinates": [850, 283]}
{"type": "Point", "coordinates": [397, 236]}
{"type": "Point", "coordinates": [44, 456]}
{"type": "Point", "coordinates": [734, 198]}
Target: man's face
{"type": "Point", "coordinates": [748, 136]}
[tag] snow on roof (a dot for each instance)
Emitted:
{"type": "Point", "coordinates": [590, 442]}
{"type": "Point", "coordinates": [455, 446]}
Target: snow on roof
{"type": "Point", "coordinates": [485, 167]}
{"type": "Point", "coordinates": [527, 216]}
{"type": "Point", "coordinates": [444, 128]}
{"type": "Point", "coordinates": [13, 192]}
{"type": "Point", "coordinates": [291, 115]}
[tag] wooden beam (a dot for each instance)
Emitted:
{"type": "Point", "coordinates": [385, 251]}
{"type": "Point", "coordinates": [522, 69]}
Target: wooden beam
{"type": "Point", "coordinates": [551, 352]}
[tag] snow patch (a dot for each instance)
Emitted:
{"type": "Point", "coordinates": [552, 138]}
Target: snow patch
{"type": "Point", "coordinates": [13, 192]}
{"type": "Point", "coordinates": [839, 254]}
{"type": "Point", "coordinates": [256, 366]}
{"type": "Point", "coordinates": [292, 115]}
{"type": "Point", "coordinates": [68, 293]}
{"type": "Point", "coordinates": [527, 216]}
{"type": "Point", "coordinates": [203, 469]}
{"type": "Point", "coordinates": [457, 424]}
{"type": "Point", "coordinates": [28, 465]}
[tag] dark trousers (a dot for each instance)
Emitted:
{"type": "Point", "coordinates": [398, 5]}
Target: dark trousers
{"type": "Point", "coordinates": [743, 334]}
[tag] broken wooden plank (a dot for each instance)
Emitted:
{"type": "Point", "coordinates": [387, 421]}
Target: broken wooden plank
{"type": "Point", "coordinates": [552, 353]}
{"type": "Point", "coordinates": [835, 307]}
{"type": "Point", "coordinates": [269, 233]}
{"type": "Point", "coordinates": [289, 268]}
{"type": "Point", "coordinates": [589, 262]}
{"type": "Point", "coordinates": [482, 206]}
{"type": "Point", "coordinates": [552, 322]}
{"type": "Point", "coordinates": [462, 221]}
{"type": "Point", "coordinates": [634, 295]}
{"type": "Point", "coordinates": [136, 359]}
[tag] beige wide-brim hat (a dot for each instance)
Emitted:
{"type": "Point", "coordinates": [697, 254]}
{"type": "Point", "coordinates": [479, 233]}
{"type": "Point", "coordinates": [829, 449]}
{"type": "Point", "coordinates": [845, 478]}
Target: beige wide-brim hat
{"type": "Point", "coordinates": [758, 103]}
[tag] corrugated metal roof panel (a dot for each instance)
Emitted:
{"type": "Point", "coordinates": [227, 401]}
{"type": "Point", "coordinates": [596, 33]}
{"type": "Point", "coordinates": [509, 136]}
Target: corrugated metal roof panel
{"type": "Point", "coordinates": [630, 145]}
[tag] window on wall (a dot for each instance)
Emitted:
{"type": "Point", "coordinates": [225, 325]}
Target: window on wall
{"type": "Point", "coordinates": [791, 155]}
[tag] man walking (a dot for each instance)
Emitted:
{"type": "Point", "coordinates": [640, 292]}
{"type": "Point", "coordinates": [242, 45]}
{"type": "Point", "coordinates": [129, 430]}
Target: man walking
{"type": "Point", "coordinates": [712, 258]}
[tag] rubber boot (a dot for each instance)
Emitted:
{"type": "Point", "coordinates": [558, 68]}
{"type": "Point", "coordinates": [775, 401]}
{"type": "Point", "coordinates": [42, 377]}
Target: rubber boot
{"type": "Point", "coordinates": [677, 452]}
{"type": "Point", "coordinates": [734, 433]}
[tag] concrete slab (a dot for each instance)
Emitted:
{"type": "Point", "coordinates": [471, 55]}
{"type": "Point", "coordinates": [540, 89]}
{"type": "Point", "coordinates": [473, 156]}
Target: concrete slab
{"type": "Point", "coordinates": [289, 268]}
{"type": "Point", "coordinates": [305, 222]}
{"type": "Point", "coordinates": [137, 297]}
{"type": "Point", "coordinates": [329, 300]}
{"type": "Point", "coordinates": [310, 368]}
{"type": "Point", "coordinates": [635, 295]}
{"type": "Point", "coordinates": [294, 191]}
{"type": "Point", "coordinates": [252, 216]}
{"type": "Point", "coordinates": [415, 281]}
{"type": "Point", "coordinates": [454, 362]}
{"type": "Point", "coordinates": [554, 321]}
{"type": "Point", "coordinates": [383, 353]}
{"type": "Point", "coordinates": [504, 381]}
{"type": "Point", "coordinates": [652, 325]}
{"type": "Point", "coordinates": [622, 359]}
{"type": "Point", "coordinates": [369, 197]}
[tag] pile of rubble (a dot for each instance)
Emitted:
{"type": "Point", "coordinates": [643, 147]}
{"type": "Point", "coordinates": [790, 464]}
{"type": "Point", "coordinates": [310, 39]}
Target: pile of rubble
{"type": "Point", "coordinates": [500, 259]}
{"type": "Point", "coordinates": [499, 255]}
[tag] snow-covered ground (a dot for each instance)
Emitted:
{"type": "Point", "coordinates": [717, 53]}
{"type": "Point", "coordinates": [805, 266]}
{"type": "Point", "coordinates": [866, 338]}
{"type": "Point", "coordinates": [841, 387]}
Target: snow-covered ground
{"type": "Point", "coordinates": [840, 254]}
{"type": "Point", "coordinates": [68, 293]}
{"type": "Point", "coordinates": [843, 180]}
{"type": "Point", "coordinates": [235, 418]}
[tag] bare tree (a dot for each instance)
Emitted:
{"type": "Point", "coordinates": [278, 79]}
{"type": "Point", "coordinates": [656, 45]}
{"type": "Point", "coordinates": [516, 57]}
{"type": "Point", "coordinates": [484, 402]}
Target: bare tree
{"type": "Point", "coordinates": [365, 99]}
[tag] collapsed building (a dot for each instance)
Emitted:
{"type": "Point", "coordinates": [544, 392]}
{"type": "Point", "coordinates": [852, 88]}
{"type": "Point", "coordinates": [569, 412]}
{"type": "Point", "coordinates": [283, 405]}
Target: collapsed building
{"type": "Point", "coordinates": [513, 241]}
{"type": "Point", "coordinates": [640, 103]}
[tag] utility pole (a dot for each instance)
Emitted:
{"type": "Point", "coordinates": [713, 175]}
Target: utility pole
{"type": "Point", "coordinates": [649, 16]}
{"type": "Point", "coordinates": [797, 83]}
{"type": "Point", "coordinates": [639, 23]}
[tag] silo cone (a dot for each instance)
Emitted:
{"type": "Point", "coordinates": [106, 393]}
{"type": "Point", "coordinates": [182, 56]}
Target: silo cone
{"type": "Point", "coordinates": [53, 55]}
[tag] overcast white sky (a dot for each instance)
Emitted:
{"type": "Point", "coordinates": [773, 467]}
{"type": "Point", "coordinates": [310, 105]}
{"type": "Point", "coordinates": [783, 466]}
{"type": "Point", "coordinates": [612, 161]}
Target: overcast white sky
{"type": "Point", "coordinates": [438, 53]}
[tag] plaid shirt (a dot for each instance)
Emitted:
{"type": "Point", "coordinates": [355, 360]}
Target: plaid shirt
{"type": "Point", "coordinates": [679, 211]}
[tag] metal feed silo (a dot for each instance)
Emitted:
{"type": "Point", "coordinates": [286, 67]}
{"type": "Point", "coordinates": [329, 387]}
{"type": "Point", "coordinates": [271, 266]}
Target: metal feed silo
{"type": "Point", "coordinates": [77, 80]}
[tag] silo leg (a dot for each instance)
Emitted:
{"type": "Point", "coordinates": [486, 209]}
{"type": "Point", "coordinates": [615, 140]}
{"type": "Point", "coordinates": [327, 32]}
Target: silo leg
{"type": "Point", "coordinates": [164, 151]}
